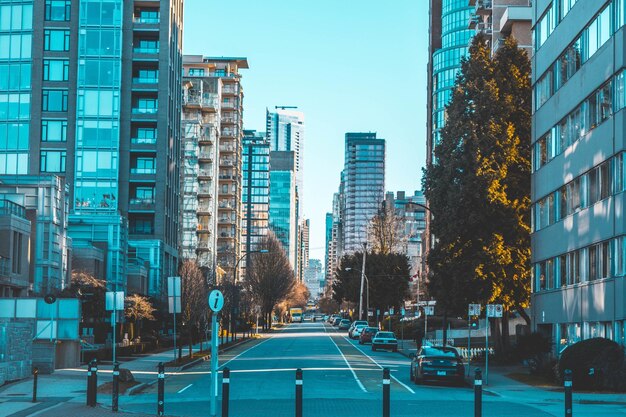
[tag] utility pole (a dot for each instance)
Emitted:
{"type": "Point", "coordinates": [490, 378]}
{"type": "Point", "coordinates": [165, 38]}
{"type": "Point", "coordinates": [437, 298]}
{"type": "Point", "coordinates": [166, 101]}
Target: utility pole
{"type": "Point", "coordinates": [362, 281]}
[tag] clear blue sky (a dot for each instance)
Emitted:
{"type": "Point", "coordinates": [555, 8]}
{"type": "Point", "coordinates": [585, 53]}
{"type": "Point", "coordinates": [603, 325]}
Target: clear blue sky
{"type": "Point", "coordinates": [349, 65]}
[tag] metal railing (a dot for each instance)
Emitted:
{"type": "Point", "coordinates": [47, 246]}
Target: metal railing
{"type": "Point", "coordinates": [143, 141]}
{"type": "Point", "coordinates": [9, 207]}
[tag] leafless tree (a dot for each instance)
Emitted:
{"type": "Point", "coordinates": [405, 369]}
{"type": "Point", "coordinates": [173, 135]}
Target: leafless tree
{"type": "Point", "coordinates": [270, 277]}
{"type": "Point", "coordinates": [193, 298]}
{"type": "Point", "coordinates": [386, 231]}
{"type": "Point", "coordinates": [137, 309]}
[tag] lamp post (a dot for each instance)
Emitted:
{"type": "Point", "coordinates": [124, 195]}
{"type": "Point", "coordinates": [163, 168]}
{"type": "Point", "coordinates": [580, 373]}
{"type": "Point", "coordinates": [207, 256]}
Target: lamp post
{"type": "Point", "coordinates": [348, 269]}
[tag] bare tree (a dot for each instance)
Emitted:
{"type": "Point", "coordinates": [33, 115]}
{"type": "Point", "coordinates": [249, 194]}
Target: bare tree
{"type": "Point", "coordinates": [270, 277]}
{"type": "Point", "coordinates": [386, 231]}
{"type": "Point", "coordinates": [138, 308]}
{"type": "Point", "coordinates": [193, 298]}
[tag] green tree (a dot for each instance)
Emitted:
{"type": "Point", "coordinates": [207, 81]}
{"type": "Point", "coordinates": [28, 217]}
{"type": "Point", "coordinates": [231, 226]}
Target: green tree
{"type": "Point", "coordinates": [388, 276]}
{"type": "Point", "coordinates": [478, 187]}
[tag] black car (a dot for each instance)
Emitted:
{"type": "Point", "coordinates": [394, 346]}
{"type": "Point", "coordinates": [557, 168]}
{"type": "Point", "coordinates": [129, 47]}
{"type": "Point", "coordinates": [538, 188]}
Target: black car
{"type": "Point", "coordinates": [437, 363]}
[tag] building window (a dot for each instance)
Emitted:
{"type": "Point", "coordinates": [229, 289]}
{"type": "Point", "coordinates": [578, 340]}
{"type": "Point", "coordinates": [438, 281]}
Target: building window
{"type": "Point", "coordinates": [16, 259]}
{"type": "Point", "coordinates": [56, 40]}
{"type": "Point", "coordinates": [16, 17]}
{"type": "Point", "coordinates": [196, 72]}
{"type": "Point", "coordinates": [52, 161]}
{"type": "Point", "coordinates": [144, 165]}
{"type": "Point", "coordinates": [57, 10]}
{"type": "Point", "coordinates": [54, 100]}
{"type": "Point", "coordinates": [142, 226]}
{"type": "Point", "coordinates": [56, 69]}
{"type": "Point", "coordinates": [146, 105]}
{"type": "Point", "coordinates": [14, 163]}
{"type": "Point", "coordinates": [54, 130]}
{"type": "Point", "coordinates": [144, 193]}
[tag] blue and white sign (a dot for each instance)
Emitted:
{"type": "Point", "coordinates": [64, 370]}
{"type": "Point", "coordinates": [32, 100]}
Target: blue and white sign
{"type": "Point", "coordinates": [216, 300]}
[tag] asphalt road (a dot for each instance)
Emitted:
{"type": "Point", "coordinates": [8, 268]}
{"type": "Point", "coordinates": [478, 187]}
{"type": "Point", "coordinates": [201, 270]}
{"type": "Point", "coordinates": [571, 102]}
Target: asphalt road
{"type": "Point", "coordinates": [340, 378]}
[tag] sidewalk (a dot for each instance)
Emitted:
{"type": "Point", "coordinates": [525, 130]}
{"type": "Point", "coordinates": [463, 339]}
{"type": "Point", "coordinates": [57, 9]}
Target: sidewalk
{"type": "Point", "coordinates": [69, 387]}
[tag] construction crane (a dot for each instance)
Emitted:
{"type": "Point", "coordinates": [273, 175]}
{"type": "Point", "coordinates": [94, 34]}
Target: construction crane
{"type": "Point", "coordinates": [285, 107]}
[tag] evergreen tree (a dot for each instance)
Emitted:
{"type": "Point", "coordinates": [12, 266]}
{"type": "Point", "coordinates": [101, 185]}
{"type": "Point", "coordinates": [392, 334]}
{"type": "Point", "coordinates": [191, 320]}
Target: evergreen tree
{"type": "Point", "coordinates": [478, 187]}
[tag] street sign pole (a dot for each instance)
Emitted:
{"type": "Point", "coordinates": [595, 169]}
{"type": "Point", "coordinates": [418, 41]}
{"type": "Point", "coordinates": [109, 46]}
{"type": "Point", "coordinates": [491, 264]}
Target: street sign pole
{"type": "Point", "coordinates": [486, 348]}
{"type": "Point", "coordinates": [216, 302]}
{"type": "Point", "coordinates": [174, 301]}
{"type": "Point", "coordinates": [214, 361]}
{"type": "Point", "coordinates": [469, 335]}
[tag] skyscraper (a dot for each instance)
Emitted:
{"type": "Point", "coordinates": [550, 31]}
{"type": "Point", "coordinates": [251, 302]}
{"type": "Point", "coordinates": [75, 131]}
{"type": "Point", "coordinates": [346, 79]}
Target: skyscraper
{"type": "Point", "coordinates": [363, 187]}
{"type": "Point", "coordinates": [225, 72]}
{"type": "Point", "coordinates": [88, 84]}
{"type": "Point", "coordinates": [303, 248]}
{"type": "Point", "coordinates": [256, 190]}
{"type": "Point", "coordinates": [283, 220]}
{"type": "Point", "coordinates": [578, 235]}
{"type": "Point", "coordinates": [285, 132]}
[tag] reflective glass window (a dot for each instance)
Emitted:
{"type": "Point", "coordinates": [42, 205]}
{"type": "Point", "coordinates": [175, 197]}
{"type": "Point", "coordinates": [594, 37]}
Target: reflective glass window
{"type": "Point", "coordinates": [52, 161]}
{"type": "Point", "coordinates": [54, 130]}
{"type": "Point", "coordinates": [57, 10]}
{"type": "Point", "coordinates": [56, 40]}
{"type": "Point", "coordinates": [56, 69]}
{"type": "Point", "coordinates": [54, 100]}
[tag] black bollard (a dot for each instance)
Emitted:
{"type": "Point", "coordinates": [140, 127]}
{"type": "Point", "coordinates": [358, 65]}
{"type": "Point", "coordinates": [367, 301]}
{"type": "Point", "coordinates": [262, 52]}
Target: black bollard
{"type": "Point", "coordinates": [478, 393]}
{"type": "Point", "coordinates": [35, 375]}
{"type": "Point", "coordinates": [89, 384]}
{"type": "Point", "coordinates": [386, 392]}
{"type": "Point", "coordinates": [225, 391]}
{"type": "Point", "coordinates": [180, 351]}
{"type": "Point", "coordinates": [161, 389]}
{"type": "Point", "coordinates": [567, 383]}
{"type": "Point", "coordinates": [116, 386]}
{"type": "Point", "coordinates": [298, 392]}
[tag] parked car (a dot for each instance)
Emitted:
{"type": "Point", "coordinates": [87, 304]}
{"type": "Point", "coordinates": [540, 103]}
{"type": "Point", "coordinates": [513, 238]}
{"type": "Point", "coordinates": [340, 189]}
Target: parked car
{"type": "Point", "coordinates": [437, 363]}
{"type": "Point", "coordinates": [354, 324]}
{"type": "Point", "coordinates": [336, 321]}
{"type": "Point", "coordinates": [385, 340]}
{"type": "Point", "coordinates": [356, 332]}
{"type": "Point", "coordinates": [326, 317]}
{"type": "Point", "coordinates": [344, 324]}
{"type": "Point", "coordinates": [367, 334]}
{"type": "Point", "coordinates": [332, 318]}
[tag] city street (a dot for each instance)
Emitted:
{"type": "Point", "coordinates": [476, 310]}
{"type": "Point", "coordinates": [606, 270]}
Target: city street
{"type": "Point", "coordinates": [341, 378]}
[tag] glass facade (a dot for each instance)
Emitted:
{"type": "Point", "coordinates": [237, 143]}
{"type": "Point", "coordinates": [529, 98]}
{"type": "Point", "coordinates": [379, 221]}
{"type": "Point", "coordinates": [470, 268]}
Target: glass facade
{"type": "Point", "coordinates": [282, 211]}
{"type": "Point", "coordinates": [455, 38]}
{"type": "Point", "coordinates": [98, 106]}
{"type": "Point", "coordinates": [16, 26]}
{"type": "Point", "coordinates": [256, 190]}
{"type": "Point", "coordinates": [364, 186]}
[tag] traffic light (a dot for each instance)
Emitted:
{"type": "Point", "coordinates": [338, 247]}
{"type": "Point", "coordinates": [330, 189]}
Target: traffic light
{"type": "Point", "coordinates": [473, 322]}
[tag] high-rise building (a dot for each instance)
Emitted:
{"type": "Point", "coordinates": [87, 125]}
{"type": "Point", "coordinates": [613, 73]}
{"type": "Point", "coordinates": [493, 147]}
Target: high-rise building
{"type": "Point", "coordinates": [285, 132]}
{"type": "Point", "coordinates": [200, 170]}
{"type": "Point", "coordinates": [283, 201]}
{"type": "Point", "coordinates": [578, 235]}
{"type": "Point", "coordinates": [303, 248]}
{"type": "Point", "coordinates": [228, 123]}
{"type": "Point", "coordinates": [256, 191]}
{"type": "Point", "coordinates": [88, 84]}
{"type": "Point", "coordinates": [328, 246]}
{"type": "Point", "coordinates": [314, 278]}
{"type": "Point", "coordinates": [499, 19]}
{"type": "Point", "coordinates": [363, 187]}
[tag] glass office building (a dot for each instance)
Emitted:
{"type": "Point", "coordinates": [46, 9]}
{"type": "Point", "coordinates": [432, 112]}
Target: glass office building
{"type": "Point", "coordinates": [363, 187]}
{"type": "Point", "coordinates": [282, 221]}
{"type": "Point", "coordinates": [256, 190]}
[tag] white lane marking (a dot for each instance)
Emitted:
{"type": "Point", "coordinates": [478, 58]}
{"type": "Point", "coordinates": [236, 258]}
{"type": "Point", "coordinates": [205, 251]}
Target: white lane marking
{"type": "Point", "coordinates": [381, 367]}
{"type": "Point", "coordinates": [245, 351]}
{"type": "Point", "coordinates": [182, 390]}
{"type": "Point", "coordinates": [358, 381]}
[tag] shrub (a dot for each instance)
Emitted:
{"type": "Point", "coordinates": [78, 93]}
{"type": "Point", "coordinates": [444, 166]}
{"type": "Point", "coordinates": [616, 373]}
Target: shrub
{"type": "Point", "coordinates": [596, 363]}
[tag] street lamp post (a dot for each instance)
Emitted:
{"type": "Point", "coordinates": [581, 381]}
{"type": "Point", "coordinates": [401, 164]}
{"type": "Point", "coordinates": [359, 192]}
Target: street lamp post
{"type": "Point", "coordinates": [368, 289]}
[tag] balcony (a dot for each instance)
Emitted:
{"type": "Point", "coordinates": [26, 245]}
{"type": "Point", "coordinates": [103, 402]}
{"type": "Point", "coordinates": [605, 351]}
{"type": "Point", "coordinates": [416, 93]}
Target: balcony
{"type": "Point", "coordinates": [204, 209]}
{"type": "Point", "coordinates": [203, 244]}
{"type": "Point", "coordinates": [10, 208]}
{"type": "Point", "coordinates": [145, 80]}
{"type": "Point", "coordinates": [229, 132]}
{"type": "Point", "coordinates": [227, 177]}
{"type": "Point", "coordinates": [205, 174]}
{"type": "Point", "coordinates": [141, 204]}
{"type": "Point", "coordinates": [143, 170]}
{"type": "Point", "coordinates": [206, 100]}
{"type": "Point", "coordinates": [230, 120]}
{"type": "Point", "coordinates": [226, 204]}
{"type": "Point", "coordinates": [145, 50]}
{"type": "Point", "coordinates": [146, 20]}
{"type": "Point", "coordinates": [230, 90]}
{"type": "Point", "coordinates": [227, 148]}
{"type": "Point", "coordinates": [143, 141]}
{"type": "Point", "coordinates": [513, 14]}
{"type": "Point", "coordinates": [206, 189]}
{"type": "Point", "coordinates": [203, 228]}
{"type": "Point", "coordinates": [485, 28]}
{"type": "Point", "coordinates": [206, 156]}
{"type": "Point", "coordinates": [227, 235]}
{"type": "Point", "coordinates": [225, 220]}
{"type": "Point", "coordinates": [227, 162]}
{"type": "Point", "coordinates": [483, 7]}
{"type": "Point", "coordinates": [144, 110]}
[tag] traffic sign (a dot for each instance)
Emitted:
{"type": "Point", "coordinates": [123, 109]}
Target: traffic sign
{"type": "Point", "coordinates": [402, 312]}
{"type": "Point", "coordinates": [494, 310]}
{"type": "Point", "coordinates": [391, 311]}
{"type": "Point", "coordinates": [216, 300]}
{"type": "Point", "coordinates": [429, 310]}
{"type": "Point", "coordinates": [474, 310]}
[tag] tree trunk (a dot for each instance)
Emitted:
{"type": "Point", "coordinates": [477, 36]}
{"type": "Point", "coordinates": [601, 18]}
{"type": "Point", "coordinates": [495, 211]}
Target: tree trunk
{"type": "Point", "coordinates": [506, 339]}
{"type": "Point", "coordinates": [445, 328]}
{"type": "Point", "coordinates": [525, 316]}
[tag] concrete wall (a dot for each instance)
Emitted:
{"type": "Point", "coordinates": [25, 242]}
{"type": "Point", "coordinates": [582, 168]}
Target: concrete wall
{"type": "Point", "coordinates": [15, 349]}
